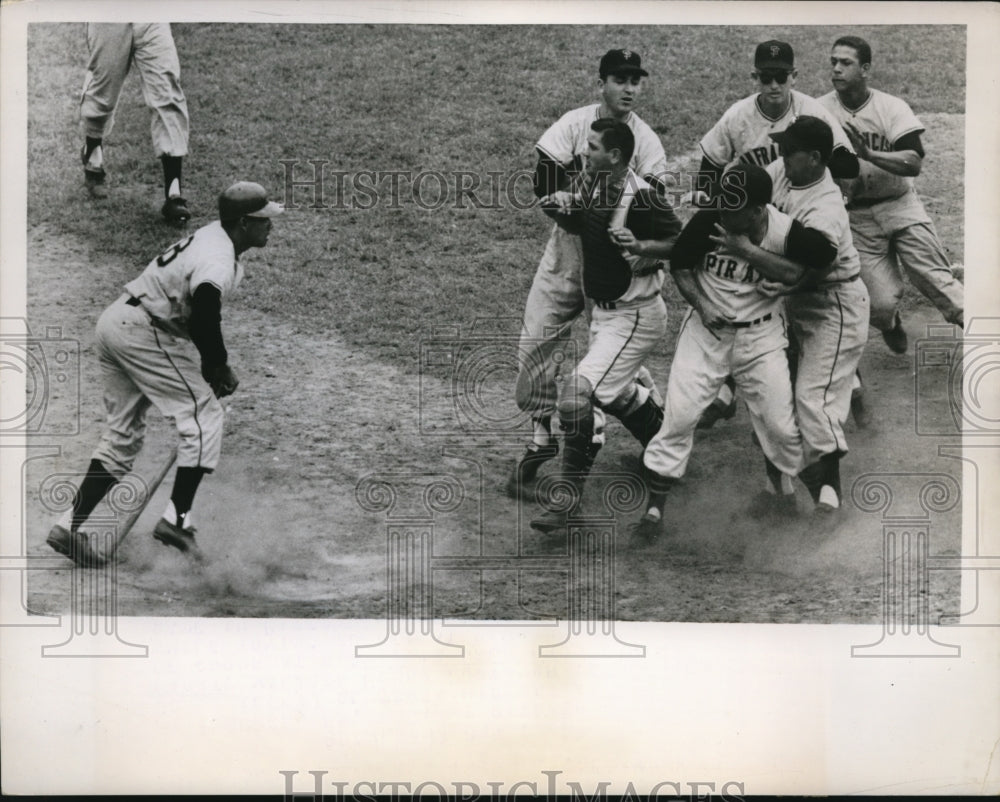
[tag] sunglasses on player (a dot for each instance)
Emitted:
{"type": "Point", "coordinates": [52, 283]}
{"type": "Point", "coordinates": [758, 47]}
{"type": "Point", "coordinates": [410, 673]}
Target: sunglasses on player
{"type": "Point", "coordinates": [767, 76]}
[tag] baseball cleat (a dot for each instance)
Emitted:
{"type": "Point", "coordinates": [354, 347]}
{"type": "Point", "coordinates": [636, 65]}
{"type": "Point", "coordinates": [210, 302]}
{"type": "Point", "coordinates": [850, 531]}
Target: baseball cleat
{"type": "Point", "coordinates": [895, 337]}
{"type": "Point", "coordinates": [648, 528]}
{"type": "Point", "coordinates": [175, 210]}
{"type": "Point", "coordinates": [525, 470]}
{"type": "Point", "coordinates": [717, 410]}
{"type": "Point", "coordinates": [93, 178]}
{"type": "Point", "coordinates": [74, 545]}
{"type": "Point", "coordinates": [828, 502]}
{"type": "Point", "coordinates": [182, 539]}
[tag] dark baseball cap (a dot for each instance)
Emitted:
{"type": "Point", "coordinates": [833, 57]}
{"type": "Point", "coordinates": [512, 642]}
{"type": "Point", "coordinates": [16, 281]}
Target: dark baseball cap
{"type": "Point", "coordinates": [750, 183]}
{"type": "Point", "coordinates": [774, 55]}
{"type": "Point", "coordinates": [806, 133]}
{"type": "Point", "coordinates": [617, 62]}
{"type": "Point", "coordinates": [247, 199]}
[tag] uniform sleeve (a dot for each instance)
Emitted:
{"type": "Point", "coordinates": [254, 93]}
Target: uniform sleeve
{"type": "Point", "coordinates": [809, 247]}
{"type": "Point", "coordinates": [693, 243]}
{"type": "Point", "coordinates": [650, 160]}
{"type": "Point", "coordinates": [899, 119]}
{"type": "Point", "coordinates": [651, 217]}
{"type": "Point", "coordinates": [557, 141]}
{"type": "Point", "coordinates": [717, 144]}
{"type": "Point", "coordinates": [217, 268]}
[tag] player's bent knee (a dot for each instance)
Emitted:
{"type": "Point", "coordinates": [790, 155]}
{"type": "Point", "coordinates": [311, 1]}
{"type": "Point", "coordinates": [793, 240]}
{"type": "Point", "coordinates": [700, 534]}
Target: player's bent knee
{"type": "Point", "coordinates": [575, 403]}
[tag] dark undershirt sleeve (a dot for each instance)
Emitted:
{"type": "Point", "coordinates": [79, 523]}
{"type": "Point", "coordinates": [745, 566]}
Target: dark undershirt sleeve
{"type": "Point", "coordinates": [205, 327]}
{"type": "Point", "coordinates": [550, 176]}
{"type": "Point", "coordinates": [651, 217]}
{"type": "Point", "coordinates": [910, 141]}
{"type": "Point", "coordinates": [809, 247]}
{"type": "Point", "coordinates": [693, 243]}
{"type": "Point", "coordinates": [708, 177]}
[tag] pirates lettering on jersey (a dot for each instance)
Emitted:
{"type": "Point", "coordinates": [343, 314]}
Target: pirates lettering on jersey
{"type": "Point", "coordinates": [761, 156]}
{"type": "Point", "coordinates": [731, 268]}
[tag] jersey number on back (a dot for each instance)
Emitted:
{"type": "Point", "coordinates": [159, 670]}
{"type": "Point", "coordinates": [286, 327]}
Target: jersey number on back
{"type": "Point", "coordinates": [173, 251]}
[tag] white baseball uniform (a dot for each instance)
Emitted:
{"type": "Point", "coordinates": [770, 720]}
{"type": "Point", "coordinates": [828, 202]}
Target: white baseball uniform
{"type": "Point", "coordinates": [830, 321]}
{"type": "Point", "coordinates": [742, 133]}
{"type": "Point", "coordinates": [114, 48]}
{"type": "Point", "coordinates": [890, 225]}
{"type": "Point", "coordinates": [556, 297]}
{"type": "Point", "coordinates": [752, 350]}
{"type": "Point", "coordinates": [147, 356]}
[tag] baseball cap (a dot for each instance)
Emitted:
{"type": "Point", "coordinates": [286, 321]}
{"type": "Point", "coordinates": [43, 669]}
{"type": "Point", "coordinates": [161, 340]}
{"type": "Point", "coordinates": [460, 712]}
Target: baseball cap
{"type": "Point", "coordinates": [774, 55]}
{"type": "Point", "coordinates": [806, 133]}
{"type": "Point", "coordinates": [615, 62]}
{"type": "Point", "coordinates": [247, 199]}
{"type": "Point", "coordinates": [750, 183]}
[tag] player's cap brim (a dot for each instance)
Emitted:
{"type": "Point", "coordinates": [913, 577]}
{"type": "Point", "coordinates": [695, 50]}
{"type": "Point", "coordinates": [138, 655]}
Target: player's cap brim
{"type": "Point", "coordinates": [271, 209]}
{"type": "Point", "coordinates": [774, 65]}
{"type": "Point", "coordinates": [626, 70]}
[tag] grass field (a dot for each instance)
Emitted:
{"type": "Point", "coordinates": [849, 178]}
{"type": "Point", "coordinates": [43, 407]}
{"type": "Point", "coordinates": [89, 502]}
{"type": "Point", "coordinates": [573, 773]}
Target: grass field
{"type": "Point", "coordinates": [409, 98]}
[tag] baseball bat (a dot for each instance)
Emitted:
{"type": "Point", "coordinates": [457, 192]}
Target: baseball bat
{"type": "Point", "coordinates": [133, 516]}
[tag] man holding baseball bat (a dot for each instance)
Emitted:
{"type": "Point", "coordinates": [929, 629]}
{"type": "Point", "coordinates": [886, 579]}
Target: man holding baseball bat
{"type": "Point", "coordinates": [161, 344]}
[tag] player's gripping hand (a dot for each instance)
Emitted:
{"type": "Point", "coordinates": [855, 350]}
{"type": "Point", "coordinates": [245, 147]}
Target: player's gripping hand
{"type": "Point", "coordinates": [712, 316]}
{"type": "Point", "coordinates": [772, 289]}
{"type": "Point", "coordinates": [736, 244]}
{"type": "Point", "coordinates": [561, 202]}
{"type": "Point", "coordinates": [222, 380]}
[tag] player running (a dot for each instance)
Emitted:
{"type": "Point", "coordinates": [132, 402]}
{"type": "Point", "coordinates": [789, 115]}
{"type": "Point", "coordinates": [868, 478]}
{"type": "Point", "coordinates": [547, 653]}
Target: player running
{"type": "Point", "coordinates": [556, 297]}
{"type": "Point", "coordinates": [161, 344]}
{"type": "Point", "coordinates": [890, 226]}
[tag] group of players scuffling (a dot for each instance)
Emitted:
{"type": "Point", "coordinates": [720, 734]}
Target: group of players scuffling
{"type": "Point", "coordinates": [807, 221]}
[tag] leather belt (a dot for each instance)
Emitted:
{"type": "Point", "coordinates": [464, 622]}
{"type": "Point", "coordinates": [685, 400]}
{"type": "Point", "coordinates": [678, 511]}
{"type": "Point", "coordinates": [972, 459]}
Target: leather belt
{"type": "Point", "coordinates": [745, 324]}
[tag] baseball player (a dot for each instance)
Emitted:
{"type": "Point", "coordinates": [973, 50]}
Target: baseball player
{"type": "Point", "coordinates": [725, 263]}
{"type": "Point", "coordinates": [828, 310]}
{"type": "Point", "coordinates": [161, 344]}
{"type": "Point", "coordinates": [742, 135]}
{"type": "Point", "coordinates": [556, 297]}
{"type": "Point", "coordinates": [625, 231]}
{"type": "Point", "coordinates": [114, 48]}
{"type": "Point", "coordinates": [890, 226]}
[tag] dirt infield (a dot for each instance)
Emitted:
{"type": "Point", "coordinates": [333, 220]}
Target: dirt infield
{"type": "Point", "coordinates": [285, 534]}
